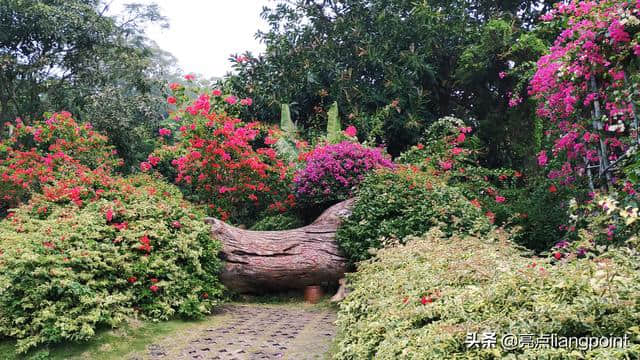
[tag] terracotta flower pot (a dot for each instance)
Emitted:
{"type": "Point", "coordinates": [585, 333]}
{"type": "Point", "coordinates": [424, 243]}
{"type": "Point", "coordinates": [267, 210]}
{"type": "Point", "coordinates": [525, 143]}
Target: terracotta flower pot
{"type": "Point", "coordinates": [313, 293]}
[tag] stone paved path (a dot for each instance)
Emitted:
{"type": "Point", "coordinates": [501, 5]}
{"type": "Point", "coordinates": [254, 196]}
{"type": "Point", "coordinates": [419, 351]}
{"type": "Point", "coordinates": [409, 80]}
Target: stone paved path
{"type": "Point", "coordinates": [252, 332]}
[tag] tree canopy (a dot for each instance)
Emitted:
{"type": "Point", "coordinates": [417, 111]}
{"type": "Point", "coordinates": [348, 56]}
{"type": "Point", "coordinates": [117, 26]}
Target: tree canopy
{"type": "Point", "coordinates": [394, 66]}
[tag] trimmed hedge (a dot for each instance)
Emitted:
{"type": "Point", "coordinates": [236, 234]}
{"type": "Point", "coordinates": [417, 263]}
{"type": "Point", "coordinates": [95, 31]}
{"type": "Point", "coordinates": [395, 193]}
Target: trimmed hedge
{"type": "Point", "coordinates": [137, 249]}
{"type": "Point", "coordinates": [473, 285]}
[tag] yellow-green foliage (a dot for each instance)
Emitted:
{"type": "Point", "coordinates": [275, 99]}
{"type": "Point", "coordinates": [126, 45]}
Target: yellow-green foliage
{"type": "Point", "coordinates": [66, 269]}
{"type": "Point", "coordinates": [473, 285]}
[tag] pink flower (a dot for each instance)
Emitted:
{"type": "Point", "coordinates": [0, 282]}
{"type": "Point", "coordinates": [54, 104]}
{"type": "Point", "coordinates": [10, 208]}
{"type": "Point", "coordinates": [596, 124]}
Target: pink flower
{"type": "Point", "coordinates": [446, 165]}
{"type": "Point", "coordinates": [456, 151]}
{"type": "Point", "coordinates": [246, 101]}
{"type": "Point", "coordinates": [231, 100]}
{"type": "Point", "coordinates": [145, 166]}
{"type": "Point", "coordinates": [109, 215]}
{"type": "Point", "coordinates": [176, 224]}
{"type": "Point", "coordinates": [351, 131]}
{"type": "Point", "coordinates": [174, 86]}
{"type": "Point", "coordinates": [171, 100]}
{"type": "Point", "coordinates": [164, 132]}
{"type": "Point", "coordinates": [189, 77]}
{"type": "Point", "coordinates": [154, 288]}
{"type": "Point", "coordinates": [502, 74]}
{"type": "Point", "coordinates": [216, 92]}
{"type": "Point", "coordinates": [153, 160]}
{"type": "Point", "coordinates": [460, 138]}
{"type": "Point", "coordinates": [542, 158]}
{"type": "Point", "coordinates": [557, 255]}
{"type": "Point", "coordinates": [500, 199]}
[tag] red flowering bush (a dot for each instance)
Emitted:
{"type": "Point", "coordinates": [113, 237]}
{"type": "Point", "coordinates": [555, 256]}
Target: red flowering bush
{"type": "Point", "coordinates": [332, 171]}
{"type": "Point", "coordinates": [221, 161]}
{"type": "Point", "coordinates": [78, 258]}
{"type": "Point", "coordinates": [40, 155]}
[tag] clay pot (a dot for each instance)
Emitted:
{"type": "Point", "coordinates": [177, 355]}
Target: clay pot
{"type": "Point", "coordinates": [313, 294]}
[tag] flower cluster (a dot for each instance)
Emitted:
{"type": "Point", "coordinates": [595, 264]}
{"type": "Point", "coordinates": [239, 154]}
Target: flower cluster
{"type": "Point", "coordinates": [332, 171]}
{"type": "Point", "coordinates": [56, 156]}
{"type": "Point", "coordinates": [586, 72]}
{"type": "Point", "coordinates": [218, 159]}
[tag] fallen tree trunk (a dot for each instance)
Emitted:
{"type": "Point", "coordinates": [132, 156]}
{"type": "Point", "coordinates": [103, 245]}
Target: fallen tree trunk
{"type": "Point", "coordinates": [260, 261]}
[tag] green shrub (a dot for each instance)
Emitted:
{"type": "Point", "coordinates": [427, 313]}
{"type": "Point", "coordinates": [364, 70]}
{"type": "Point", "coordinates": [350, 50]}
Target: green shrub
{"type": "Point", "coordinates": [471, 285]}
{"type": "Point", "coordinates": [278, 222]}
{"type": "Point", "coordinates": [394, 204]}
{"type": "Point", "coordinates": [69, 267]}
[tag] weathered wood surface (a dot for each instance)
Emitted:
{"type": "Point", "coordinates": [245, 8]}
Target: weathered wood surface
{"type": "Point", "coordinates": [260, 261]}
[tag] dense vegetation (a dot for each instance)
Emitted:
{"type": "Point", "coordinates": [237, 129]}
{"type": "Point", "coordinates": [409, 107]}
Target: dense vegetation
{"type": "Point", "coordinates": [518, 214]}
{"type": "Point", "coordinates": [420, 300]}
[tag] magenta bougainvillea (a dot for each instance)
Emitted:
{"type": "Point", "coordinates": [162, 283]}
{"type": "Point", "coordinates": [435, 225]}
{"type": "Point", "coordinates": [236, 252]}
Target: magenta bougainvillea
{"type": "Point", "coordinates": [332, 171]}
{"type": "Point", "coordinates": [585, 86]}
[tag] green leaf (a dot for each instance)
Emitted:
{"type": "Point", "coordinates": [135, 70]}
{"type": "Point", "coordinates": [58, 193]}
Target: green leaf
{"type": "Point", "coordinates": [334, 128]}
{"type": "Point", "coordinates": [286, 124]}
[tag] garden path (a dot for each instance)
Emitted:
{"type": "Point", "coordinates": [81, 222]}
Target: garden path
{"type": "Point", "coordinates": [252, 331]}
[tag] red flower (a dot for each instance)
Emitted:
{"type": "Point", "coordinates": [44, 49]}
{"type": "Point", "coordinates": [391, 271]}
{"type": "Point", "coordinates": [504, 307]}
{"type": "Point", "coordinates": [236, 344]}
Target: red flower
{"type": "Point", "coordinates": [189, 77]}
{"type": "Point", "coordinates": [132, 279]}
{"type": "Point", "coordinates": [461, 138]}
{"type": "Point", "coordinates": [500, 199]}
{"type": "Point", "coordinates": [154, 288]}
{"type": "Point", "coordinates": [420, 146]}
{"type": "Point", "coordinates": [171, 100]}
{"type": "Point", "coordinates": [121, 226]}
{"type": "Point", "coordinates": [216, 92]}
{"type": "Point", "coordinates": [553, 189]}
{"type": "Point", "coordinates": [176, 224]}
{"type": "Point", "coordinates": [154, 280]}
{"type": "Point", "coordinates": [205, 296]}
{"type": "Point", "coordinates": [557, 255]}
{"type": "Point", "coordinates": [476, 203]}
{"type": "Point", "coordinates": [491, 216]}
{"type": "Point", "coordinates": [426, 300]}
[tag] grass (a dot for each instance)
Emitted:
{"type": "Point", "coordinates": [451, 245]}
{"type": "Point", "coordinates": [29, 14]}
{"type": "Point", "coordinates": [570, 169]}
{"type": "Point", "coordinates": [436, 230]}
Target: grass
{"type": "Point", "coordinates": [108, 344]}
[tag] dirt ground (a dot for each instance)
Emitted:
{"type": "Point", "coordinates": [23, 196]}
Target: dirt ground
{"type": "Point", "coordinates": [252, 331]}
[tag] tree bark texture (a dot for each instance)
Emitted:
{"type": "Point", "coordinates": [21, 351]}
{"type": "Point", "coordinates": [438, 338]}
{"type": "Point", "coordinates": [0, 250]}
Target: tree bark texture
{"type": "Point", "coordinates": [263, 261]}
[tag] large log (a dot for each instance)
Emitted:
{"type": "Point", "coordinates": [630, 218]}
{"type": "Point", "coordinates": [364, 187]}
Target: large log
{"type": "Point", "coordinates": [262, 261]}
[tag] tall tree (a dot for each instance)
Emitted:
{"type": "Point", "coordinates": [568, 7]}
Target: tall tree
{"type": "Point", "coordinates": [72, 55]}
{"type": "Point", "coordinates": [393, 65]}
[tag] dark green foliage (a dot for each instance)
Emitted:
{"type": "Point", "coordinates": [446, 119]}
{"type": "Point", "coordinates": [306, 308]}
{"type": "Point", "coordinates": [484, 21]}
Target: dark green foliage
{"type": "Point", "coordinates": [70, 55]}
{"type": "Point", "coordinates": [395, 66]}
{"type": "Point", "coordinates": [392, 205]}
{"type": "Point", "coordinates": [278, 222]}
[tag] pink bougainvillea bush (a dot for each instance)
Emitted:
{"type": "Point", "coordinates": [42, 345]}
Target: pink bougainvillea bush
{"type": "Point", "coordinates": [219, 160]}
{"type": "Point", "coordinates": [331, 172]}
{"type": "Point", "coordinates": [586, 87]}
{"type": "Point", "coordinates": [38, 156]}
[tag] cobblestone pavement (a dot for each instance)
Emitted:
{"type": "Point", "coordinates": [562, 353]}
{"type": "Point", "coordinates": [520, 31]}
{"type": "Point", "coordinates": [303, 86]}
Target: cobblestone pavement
{"type": "Point", "coordinates": [252, 332]}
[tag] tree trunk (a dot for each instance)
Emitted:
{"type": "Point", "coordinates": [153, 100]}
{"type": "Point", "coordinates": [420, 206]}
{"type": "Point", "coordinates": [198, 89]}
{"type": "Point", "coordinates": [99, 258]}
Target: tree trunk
{"type": "Point", "coordinates": [262, 261]}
